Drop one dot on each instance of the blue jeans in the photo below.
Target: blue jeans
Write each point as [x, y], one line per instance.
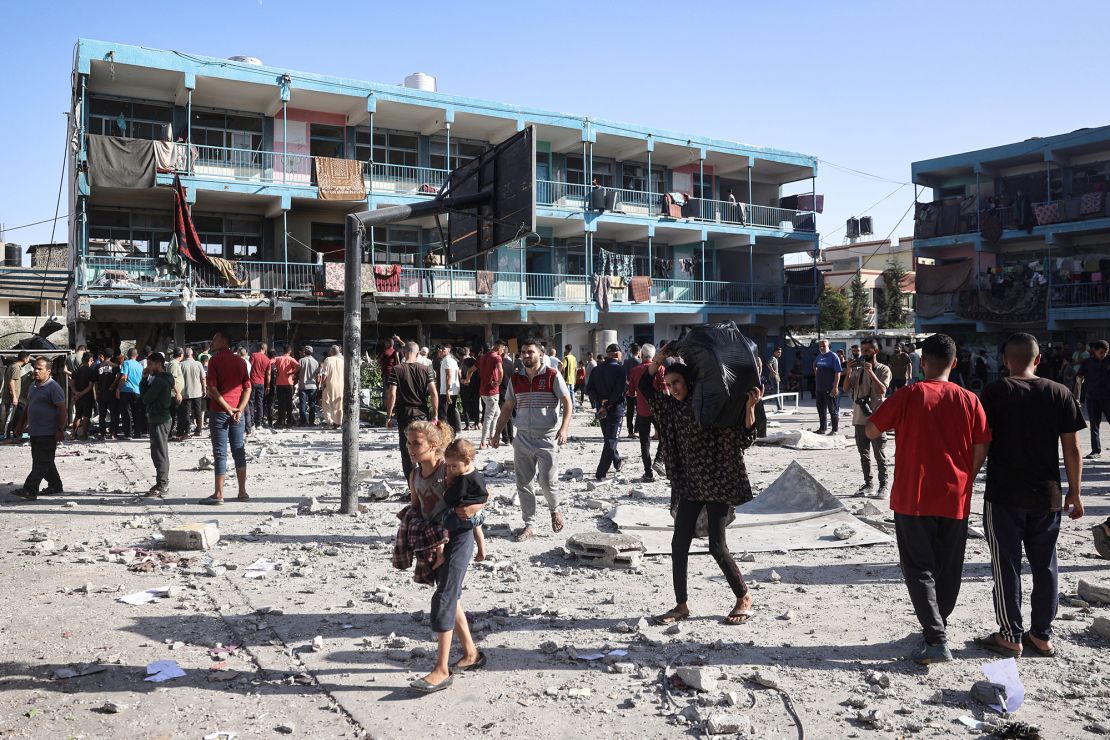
[307, 406]
[223, 431]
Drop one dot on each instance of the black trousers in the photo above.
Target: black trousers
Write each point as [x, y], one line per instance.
[129, 409]
[109, 407]
[1097, 410]
[42, 464]
[630, 414]
[190, 413]
[285, 406]
[402, 429]
[610, 433]
[931, 553]
[471, 414]
[643, 429]
[1008, 528]
[685, 523]
[449, 411]
[258, 405]
[828, 410]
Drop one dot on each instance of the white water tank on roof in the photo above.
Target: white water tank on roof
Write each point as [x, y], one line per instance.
[246, 60]
[421, 81]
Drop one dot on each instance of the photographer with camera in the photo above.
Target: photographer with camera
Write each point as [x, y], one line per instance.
[867, 382]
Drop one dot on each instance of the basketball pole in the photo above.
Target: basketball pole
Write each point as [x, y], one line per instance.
[354, 227]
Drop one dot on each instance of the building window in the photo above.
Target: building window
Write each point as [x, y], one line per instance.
[231, 236]
[129, 119]
[328, 239]
[396, 245]
[389, 147]
[139, 233]
[707, 193]
[635, 177]
[462, 151]
[602, 171]
[23, 308]
[226, 130]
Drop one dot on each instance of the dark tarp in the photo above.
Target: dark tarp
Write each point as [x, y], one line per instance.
[939, 279]
[116, 162]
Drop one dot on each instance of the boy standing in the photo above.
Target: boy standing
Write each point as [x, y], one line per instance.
[942, 441]
[158, 396]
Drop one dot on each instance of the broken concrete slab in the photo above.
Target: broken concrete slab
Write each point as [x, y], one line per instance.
[195, 536]
[1093, 593]
[603, 550]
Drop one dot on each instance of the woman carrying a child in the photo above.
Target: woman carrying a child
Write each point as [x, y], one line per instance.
[447, 499]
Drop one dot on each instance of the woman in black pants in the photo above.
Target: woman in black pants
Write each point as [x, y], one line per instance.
[706, 471]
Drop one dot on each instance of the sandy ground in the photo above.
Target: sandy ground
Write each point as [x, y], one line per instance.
[535, 613]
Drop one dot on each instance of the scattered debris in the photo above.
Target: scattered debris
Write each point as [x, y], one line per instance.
[699, 679]
[82, 669]
[605, 550]
[1101, 627]
[196, 536]
[163, 670]
[145, 597]
[728, 724]
[844, 532]
[1093, 593]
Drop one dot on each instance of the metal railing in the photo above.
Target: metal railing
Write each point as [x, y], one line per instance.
[128, 274]
[251, 165]
[1079, 294]
[398, 178]
[562, 194]
[101, 274]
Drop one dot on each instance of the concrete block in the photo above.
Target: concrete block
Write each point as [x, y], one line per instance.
[196, 536]
[603, 550]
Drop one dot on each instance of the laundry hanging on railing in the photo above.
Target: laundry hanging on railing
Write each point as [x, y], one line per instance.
[663, 268]
[483, 282]
[641, 289]
[610, 263]
[339, 179]
[387, 278]
[165, 156]
[116, 162]
[602, 286]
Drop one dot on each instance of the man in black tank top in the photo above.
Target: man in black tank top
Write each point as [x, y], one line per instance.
[410, 396]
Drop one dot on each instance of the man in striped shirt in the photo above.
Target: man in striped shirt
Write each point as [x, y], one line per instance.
[536, 393]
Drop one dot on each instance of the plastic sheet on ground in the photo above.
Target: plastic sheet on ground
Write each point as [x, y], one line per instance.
[795, 512]
[800, 439]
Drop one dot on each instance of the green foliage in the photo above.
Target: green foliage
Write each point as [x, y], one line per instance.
[858, 304]
[890, 304]
[833, 307]
[371, 379]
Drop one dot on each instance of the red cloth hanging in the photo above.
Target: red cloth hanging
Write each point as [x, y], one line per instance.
[188, 242]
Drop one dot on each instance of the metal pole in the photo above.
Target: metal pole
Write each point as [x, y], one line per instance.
[285, 244]
[701, 201]
[352, 360]
[189, 133]
[285, 140]
[749, 186]
[449, 146]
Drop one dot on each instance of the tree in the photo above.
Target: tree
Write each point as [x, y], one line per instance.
[833, 308]
[890, 304]
[858, 303]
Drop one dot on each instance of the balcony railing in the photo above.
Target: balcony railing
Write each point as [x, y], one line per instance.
[249, 165]
[1078, 295]
[398, 178]
[101, 275]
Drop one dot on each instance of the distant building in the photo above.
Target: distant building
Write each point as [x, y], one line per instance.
[839, 266]
[31, 295]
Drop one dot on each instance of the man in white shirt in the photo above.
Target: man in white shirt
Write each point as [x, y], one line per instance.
[915, 364]
[423, 358]
[448, 378]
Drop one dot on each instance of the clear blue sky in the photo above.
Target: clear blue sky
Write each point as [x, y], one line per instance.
[872, 86]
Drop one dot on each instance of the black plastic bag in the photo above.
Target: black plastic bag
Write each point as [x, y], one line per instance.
[724, 366]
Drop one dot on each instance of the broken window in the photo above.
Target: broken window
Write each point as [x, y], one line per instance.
[129, 119]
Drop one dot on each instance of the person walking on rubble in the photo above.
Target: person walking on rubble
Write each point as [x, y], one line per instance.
[706, 470]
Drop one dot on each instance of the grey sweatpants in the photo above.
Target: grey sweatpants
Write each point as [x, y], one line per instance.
[536, 453]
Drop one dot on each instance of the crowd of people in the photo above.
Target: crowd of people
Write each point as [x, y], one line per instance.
[527, 399]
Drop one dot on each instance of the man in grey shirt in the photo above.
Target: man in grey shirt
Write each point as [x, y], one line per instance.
[45, 422]
[192, 394]
[306, 386]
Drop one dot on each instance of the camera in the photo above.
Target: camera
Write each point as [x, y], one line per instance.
[865, 406]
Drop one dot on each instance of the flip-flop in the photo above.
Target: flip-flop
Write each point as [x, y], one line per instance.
[242, 497]
[556, 521]
[742, 616]
[671, 617]
[211, 501]
[24, 494]
[991, 644]
[430, 688]
[475, 666]
[1040, 652]
[1102, 541]
[525, 534]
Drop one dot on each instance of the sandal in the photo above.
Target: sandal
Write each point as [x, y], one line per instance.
[475, 666]
[242, 497]
[991, 644]
[671, 617]
[737, 617]
[556, 521]
[1028, 644]
[524, 534]
[424, 687]
[211, 501]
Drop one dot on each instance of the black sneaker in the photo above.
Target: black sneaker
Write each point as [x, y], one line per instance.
[48, 491]
[1092, 456]
[24, 494]
[648, 478]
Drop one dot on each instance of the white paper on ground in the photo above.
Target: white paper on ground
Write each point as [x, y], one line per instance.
[591, 656]
[263, 564]
[144, 597]
[1005, 672]
[163, 670]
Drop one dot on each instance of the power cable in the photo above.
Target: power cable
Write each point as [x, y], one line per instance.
[35, 223]
[54, 221]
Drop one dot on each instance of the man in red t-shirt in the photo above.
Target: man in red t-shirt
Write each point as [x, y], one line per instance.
[285, 378]
[260, 385]
[942, 438]
[229, 392]
[489, 388]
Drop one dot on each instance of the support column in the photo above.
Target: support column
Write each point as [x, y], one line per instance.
[285, 141]
[749, 186]
[448, 125]
[352, 360]
[285, 242]
[189, 133]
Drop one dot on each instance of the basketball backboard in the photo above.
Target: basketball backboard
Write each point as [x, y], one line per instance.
[507, 171]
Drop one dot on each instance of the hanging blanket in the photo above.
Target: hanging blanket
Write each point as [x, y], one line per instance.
[990, 226]
[931, 306]
[115, 162]
[925, 220]
[416, 541]
[333, 276]
[938, 279]
[1017, 304]
[1091, 204]
[1047, 213]
[165, 156]
[387, 278]
[483, 282]
[641, 289]
[367, 282]
[601, 292]
[339, 179]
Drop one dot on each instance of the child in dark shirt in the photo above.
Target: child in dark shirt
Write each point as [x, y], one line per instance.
[465, 486]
